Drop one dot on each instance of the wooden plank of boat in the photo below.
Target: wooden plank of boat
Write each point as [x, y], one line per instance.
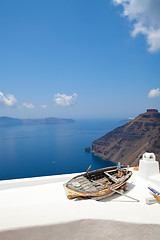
[111, 177]
[82, 184]
[113, 170]
[116, 191]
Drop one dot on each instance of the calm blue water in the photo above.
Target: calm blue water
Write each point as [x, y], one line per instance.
[41, 150]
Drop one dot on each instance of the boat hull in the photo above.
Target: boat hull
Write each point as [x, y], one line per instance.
[99, 194]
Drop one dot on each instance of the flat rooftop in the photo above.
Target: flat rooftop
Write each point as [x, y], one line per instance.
[37, 202]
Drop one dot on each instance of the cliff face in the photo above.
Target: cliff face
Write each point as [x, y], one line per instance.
[128, 142]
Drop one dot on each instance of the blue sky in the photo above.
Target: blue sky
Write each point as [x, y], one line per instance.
[79, 58]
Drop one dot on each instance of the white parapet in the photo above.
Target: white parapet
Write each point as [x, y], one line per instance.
[148, 166]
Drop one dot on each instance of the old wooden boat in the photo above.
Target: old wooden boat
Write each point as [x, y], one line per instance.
[97, 184]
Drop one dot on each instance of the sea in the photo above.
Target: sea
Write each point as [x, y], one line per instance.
[44, 150]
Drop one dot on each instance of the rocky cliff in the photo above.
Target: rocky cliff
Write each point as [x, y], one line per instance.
[128, 142]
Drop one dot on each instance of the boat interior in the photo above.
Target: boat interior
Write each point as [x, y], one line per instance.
[97, 180]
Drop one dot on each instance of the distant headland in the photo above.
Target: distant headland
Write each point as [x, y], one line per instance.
[127, 143]
[8, 121]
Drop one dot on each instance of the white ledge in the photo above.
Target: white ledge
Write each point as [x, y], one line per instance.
[42, 201]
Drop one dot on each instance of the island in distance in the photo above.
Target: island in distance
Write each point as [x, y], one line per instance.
[127, 143]
[8, 121]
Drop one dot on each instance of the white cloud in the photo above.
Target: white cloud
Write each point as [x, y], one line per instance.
[64, 100]
[8, 100]
[145, 17]
[28, 105]
[43, 106]
[154, 93]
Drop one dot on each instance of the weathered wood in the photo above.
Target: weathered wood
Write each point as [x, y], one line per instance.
[116, 191]
[114, 179]
[95, 184]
